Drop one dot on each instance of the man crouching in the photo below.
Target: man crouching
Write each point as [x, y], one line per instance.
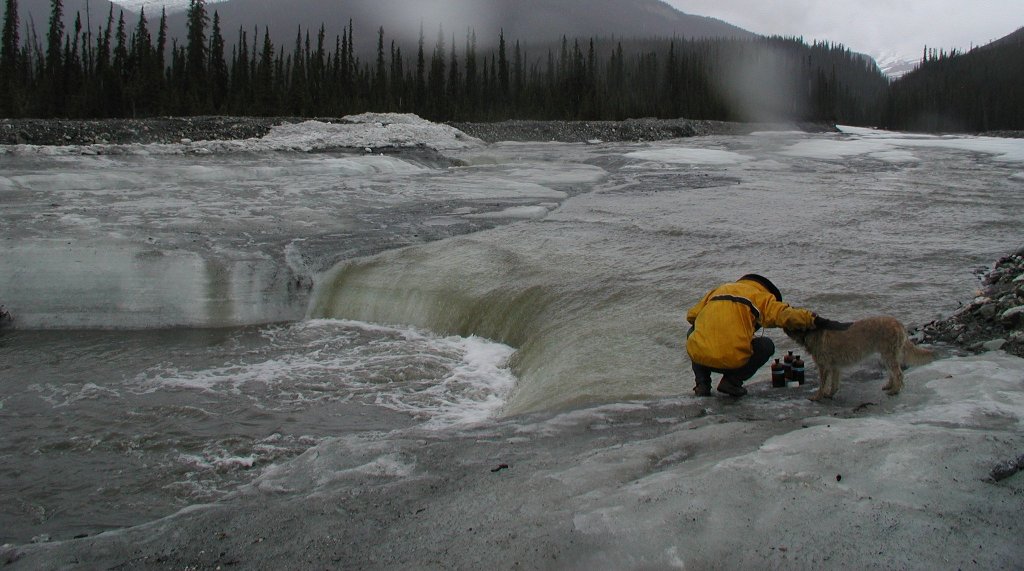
[721, 337]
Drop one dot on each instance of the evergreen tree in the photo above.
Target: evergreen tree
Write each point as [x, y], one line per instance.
[398, 87]
[266, 98]
[503, 73]
[9, 52]
[517, 79]
[437, 104]
[420, 105]
[53, 92]
[161, 40]
[219, 75]
[71, 81]
[470, 91]
[380, 84]
[196, 56]
[317, 65]
[141, 87]
[240, 74]
[297, 84]
[454, 84]
[120, 62]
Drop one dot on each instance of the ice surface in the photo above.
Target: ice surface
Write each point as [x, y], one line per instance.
[524, 212]
[873, 141]
[374, 130]
[617, 487]
[690, 156]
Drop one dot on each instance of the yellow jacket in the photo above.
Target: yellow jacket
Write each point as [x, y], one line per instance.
[724, 322]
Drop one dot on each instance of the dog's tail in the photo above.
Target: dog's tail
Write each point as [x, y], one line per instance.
[914, 355]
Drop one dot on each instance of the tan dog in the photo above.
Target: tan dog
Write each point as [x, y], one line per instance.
[834, 349]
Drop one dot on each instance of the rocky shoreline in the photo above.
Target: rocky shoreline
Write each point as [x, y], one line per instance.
[55, 132]
[629, 130]
[994, 319]
[168, 130]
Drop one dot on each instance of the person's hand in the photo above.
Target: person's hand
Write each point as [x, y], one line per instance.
[822, 323]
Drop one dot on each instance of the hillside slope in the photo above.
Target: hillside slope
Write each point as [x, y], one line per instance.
[529, 21]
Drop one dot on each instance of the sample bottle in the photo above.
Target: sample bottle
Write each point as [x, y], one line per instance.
[798, 369]
[787, 362]
[778, 374]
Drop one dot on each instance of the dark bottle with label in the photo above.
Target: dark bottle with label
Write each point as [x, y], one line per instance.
[778, 374]
[798, 369]
[787, 362]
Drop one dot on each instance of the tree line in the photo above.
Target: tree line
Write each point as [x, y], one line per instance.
[126, 70]
[980, 90]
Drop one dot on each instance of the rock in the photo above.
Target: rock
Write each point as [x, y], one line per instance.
[993, 345]
[1012, 315]
[1007, 468]
[8, 554]
[988, 311]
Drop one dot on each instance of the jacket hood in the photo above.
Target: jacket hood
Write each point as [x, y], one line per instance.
[772, 289]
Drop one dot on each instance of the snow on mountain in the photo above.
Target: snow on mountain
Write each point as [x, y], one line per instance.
[154, 6]
[895, 65]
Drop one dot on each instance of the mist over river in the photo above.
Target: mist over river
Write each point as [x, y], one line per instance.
[188, 317]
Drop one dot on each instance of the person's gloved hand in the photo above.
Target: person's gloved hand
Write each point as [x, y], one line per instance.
[822, 323]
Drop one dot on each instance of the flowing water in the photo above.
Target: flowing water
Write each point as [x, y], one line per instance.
[183, 320]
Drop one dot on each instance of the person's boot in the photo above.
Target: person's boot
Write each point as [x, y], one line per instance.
[701, 382]
[731, 387]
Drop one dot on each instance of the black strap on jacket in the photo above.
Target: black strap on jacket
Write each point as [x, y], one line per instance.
[743, 301]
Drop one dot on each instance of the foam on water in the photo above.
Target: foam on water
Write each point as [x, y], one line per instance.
[442, 380]
[154, 420]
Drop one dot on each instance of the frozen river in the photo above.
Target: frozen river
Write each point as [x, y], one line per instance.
[190, 316]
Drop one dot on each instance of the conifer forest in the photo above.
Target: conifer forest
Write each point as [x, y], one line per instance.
[126, 70]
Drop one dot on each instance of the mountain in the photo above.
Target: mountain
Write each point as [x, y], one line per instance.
[154, 6]
[1011, 41]
[975, 91]
[895, 66]
[529, 21]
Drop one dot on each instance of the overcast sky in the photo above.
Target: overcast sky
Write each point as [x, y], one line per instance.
[871, 26]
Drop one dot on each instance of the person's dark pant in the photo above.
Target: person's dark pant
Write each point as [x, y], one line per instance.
[763, 347]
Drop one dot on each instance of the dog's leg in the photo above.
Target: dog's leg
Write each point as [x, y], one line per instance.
[823, 384]
[886, 361]
[892, 357]
[895, 384]
[833, 385]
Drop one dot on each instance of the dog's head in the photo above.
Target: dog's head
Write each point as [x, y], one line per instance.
[799, 335]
